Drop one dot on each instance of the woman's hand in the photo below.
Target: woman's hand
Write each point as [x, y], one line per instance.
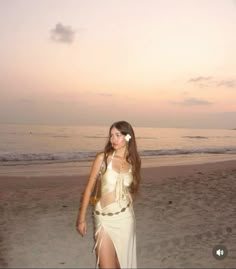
[81, 227]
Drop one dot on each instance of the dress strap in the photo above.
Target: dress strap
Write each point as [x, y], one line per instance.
[110, 163]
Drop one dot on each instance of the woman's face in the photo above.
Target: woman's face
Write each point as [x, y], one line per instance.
[117, 139]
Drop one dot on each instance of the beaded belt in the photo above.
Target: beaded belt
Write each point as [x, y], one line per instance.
[111, 214]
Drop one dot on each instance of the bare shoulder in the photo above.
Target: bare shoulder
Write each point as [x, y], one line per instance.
[99, 157]
[96, 164]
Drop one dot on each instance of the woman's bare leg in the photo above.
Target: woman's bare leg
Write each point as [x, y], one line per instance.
[107, 252]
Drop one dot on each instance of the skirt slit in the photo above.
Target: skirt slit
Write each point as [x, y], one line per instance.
[99, 240]
[121, 230]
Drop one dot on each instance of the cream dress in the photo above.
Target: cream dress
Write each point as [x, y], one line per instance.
[115, 216]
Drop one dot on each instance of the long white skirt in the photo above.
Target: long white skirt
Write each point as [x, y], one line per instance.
[121, 229]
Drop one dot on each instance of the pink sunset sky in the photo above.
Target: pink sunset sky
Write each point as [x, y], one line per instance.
[156, 63]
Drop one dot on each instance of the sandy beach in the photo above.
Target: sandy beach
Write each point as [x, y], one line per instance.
[182, 212]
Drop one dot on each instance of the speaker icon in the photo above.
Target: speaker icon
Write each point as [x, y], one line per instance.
[220, 252]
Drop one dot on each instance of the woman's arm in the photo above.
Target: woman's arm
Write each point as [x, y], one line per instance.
[81, 223]
[130, 198]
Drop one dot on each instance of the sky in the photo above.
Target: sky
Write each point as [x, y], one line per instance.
[154, 63]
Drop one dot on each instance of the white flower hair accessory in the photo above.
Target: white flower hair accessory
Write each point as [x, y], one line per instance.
[127, 137]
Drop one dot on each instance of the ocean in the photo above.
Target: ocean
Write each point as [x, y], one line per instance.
[40, 144]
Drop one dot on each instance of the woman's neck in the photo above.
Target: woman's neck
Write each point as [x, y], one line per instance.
[120, 153]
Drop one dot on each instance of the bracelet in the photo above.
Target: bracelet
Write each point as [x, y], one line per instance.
[80, 222]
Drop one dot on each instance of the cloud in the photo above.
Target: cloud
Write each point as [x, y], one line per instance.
[62, 34]
[105, 94]
[227, 83]
[203, 82]
[199, 79]
[193, 102]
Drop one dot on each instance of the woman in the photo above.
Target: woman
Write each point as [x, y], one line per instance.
[115, 234]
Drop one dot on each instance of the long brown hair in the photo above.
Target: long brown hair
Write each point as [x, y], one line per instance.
[132, 156]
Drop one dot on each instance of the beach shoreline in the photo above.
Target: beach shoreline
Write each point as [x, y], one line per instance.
[79, 168]
[182, 212]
